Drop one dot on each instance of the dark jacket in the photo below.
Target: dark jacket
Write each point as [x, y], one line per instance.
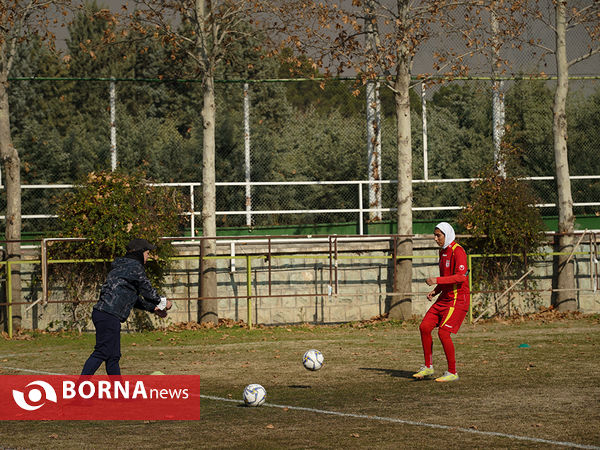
[126, 287]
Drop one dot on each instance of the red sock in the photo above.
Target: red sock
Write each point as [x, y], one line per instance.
[426, 328]
[448, 345]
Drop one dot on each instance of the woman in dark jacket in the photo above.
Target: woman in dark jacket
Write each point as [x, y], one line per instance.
[126, 287]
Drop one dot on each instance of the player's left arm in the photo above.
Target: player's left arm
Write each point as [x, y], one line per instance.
[144, 304]
[150, 299]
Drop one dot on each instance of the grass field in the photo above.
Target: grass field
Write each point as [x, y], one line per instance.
[508, 396]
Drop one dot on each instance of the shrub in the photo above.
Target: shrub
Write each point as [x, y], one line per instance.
[109, 209]
[502, 220]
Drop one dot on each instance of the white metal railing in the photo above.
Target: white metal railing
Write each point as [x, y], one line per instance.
[359, 210]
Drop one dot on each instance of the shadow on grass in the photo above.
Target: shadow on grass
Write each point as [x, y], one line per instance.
[391, 372]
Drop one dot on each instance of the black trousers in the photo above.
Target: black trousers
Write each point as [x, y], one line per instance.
[108, 344]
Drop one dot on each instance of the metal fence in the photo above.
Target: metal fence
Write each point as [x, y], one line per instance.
[356, 211]
[287, 279]
[291, 152]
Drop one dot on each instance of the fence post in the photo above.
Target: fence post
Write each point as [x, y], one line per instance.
[470, 269]
[247, 154]
[360, 209]
[249, 290]
[424, 120]
[9, 297]
[193, 216]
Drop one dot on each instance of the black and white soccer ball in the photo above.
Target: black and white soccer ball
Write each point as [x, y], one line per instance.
[254, 395]
[313, 359]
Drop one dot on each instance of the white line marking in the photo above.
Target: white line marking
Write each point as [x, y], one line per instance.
[32, 371]
[381, 419]
[411, 422]
[21, 354]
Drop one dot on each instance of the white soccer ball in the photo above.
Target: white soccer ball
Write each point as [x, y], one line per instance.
[313, 359]
[254, 395]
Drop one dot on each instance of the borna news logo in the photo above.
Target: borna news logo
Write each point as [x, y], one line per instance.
[142, 397]
[35, 396]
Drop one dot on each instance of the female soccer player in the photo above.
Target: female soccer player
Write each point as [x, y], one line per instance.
[450, 308]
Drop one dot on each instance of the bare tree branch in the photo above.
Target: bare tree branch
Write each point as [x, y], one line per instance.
[589, 54]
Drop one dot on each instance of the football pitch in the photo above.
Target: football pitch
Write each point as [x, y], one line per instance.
[523, 384]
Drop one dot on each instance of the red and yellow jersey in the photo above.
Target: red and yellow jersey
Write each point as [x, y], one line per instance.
[453, 282]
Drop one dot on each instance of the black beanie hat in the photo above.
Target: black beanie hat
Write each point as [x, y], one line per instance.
[136, 245]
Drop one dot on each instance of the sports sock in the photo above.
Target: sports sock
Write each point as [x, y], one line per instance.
[448, 346]
[426, 328]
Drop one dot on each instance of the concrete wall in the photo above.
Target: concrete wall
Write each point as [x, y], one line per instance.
[302, 283]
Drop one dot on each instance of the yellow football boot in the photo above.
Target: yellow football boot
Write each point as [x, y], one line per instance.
[424, 372]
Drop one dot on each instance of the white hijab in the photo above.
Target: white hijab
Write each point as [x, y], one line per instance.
[448, 231]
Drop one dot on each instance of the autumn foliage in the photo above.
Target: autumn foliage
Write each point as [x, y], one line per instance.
[111, 208]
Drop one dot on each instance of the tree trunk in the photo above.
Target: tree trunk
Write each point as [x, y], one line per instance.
[401, 305]
[373, 117]
[208, 309]
[374, 150]
[12, 181]
[498, 117]
[565, 297]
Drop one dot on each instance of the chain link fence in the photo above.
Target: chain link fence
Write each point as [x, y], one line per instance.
[296, 152]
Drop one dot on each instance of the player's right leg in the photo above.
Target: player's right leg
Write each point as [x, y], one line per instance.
[108, 328]
[427, 325]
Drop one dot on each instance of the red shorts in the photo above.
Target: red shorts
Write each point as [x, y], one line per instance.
[445, 317]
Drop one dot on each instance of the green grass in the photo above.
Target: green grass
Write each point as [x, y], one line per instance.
[550, 390]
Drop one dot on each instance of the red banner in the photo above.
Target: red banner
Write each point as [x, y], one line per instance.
[131, 397]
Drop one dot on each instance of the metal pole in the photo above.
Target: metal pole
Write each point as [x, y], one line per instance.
[247, 154]
[470, 269]
[360, 208]
[9, 298]
[596, 263]
[595, 272]
[193, 217]
[394, 262]
[336, 264]
[44, 269]
[424, 120]
[269, 261]
[592, 237]
[330, 287]
[249, 290]
[113, 127]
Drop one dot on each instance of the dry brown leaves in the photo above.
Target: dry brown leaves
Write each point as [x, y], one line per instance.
[373, 320]
[19, 335]
[543, 315]
[223, 323]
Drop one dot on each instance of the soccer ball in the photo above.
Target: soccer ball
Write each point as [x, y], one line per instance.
[254, 395]
[313, 359]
